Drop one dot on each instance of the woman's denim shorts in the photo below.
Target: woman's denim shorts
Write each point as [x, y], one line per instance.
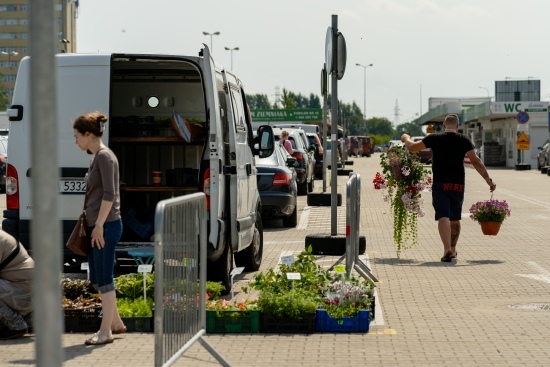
[102, 261]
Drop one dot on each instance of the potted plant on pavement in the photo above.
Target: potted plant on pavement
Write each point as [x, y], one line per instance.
[223, 316]
[490, 214]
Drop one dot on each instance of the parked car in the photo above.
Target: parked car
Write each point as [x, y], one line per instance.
[277, 186]
[328, 155]
[305, 156]
[395, 143]
[3, 162]
[355, 147]
[542, 158]
[424, 154]
[378, 149]
[318, 154]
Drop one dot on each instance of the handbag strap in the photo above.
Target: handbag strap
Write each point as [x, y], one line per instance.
[10, 257]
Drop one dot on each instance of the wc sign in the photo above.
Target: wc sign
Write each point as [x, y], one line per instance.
[513, 108]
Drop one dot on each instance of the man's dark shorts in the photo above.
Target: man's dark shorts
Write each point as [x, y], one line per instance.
[447, 199]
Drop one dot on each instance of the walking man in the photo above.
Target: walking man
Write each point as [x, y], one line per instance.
[449, 148]
[16, 268]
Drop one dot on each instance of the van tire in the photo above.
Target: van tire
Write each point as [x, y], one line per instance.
[292, 220]
[219, 270]
[302, 188]
[251, 257]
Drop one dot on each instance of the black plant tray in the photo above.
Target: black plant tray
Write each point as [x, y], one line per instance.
[84, 320]
[302, 325]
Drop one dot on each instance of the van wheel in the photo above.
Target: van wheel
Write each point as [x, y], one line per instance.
[302, 188]
[251, 257]
[292, 221]
[219, 270]
[311, 185]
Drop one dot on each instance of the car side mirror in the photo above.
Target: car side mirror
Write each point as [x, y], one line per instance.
[292, 162]
[266, 142]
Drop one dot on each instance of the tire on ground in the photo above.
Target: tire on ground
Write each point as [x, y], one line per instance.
[326, 244]
[322, 199]
[219, 270]
[292, 220]
[344, 172]
[251, 257]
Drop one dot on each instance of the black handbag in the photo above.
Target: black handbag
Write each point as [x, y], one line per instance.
[79, 242]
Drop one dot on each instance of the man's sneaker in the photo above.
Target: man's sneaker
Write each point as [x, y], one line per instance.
[6, 334]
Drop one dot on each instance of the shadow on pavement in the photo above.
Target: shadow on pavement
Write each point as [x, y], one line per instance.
[402, 262]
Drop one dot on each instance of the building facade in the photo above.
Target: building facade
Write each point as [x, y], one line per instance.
[15, 33]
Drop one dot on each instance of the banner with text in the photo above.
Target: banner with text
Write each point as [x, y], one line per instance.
[304, 114]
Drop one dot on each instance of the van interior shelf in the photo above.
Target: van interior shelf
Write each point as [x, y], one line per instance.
[153, 139]
[158, 188]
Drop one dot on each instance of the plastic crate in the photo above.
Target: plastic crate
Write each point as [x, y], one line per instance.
[82, 320]
[359, 323]
[302, 325]
[232, 321]
[139, 324]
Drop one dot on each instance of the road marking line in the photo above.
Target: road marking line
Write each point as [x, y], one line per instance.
[543, 276]
[525, 198]
[304, 218]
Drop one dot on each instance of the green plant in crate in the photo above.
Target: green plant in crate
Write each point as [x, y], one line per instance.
[131, 285]
[312, 276]
[346, 296]
[225, 308]
[214, 290]
[76, 288]
[290, 304]
[134, 307]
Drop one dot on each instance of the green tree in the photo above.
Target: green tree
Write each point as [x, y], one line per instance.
[287, 100]
[258, 102]
[410, 127]
[380, 126]
[314, 101]
[4, 98]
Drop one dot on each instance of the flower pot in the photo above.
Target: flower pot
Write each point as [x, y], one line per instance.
[358, 323]
[490, 228]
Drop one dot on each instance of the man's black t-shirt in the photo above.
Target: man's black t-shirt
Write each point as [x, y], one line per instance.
[448, 149]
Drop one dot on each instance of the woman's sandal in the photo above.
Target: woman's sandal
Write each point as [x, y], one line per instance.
[447, 258]
[97, 339]
[119, 330]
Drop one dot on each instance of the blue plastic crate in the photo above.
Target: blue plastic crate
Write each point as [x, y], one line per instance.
[359, 323]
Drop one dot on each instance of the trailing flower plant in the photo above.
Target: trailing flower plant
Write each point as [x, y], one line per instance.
[345, 297]
[403, 179]
[490, 211]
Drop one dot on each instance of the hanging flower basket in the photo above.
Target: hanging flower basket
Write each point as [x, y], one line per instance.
[490, 214]
[490, 228]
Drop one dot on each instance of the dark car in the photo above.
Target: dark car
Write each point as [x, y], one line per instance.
[542, 157]
[318, 154]
[277, 186]
[305, 157]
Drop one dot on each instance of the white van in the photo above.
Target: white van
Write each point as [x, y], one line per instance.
[141, 94]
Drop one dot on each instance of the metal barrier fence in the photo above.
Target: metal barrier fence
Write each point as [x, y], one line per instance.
[353, 221]
[180, 277]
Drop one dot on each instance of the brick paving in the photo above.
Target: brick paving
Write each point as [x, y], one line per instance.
[434, 314]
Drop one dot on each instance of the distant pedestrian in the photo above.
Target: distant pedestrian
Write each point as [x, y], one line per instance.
[449, 148]
[285, 142]
[16, 269]
[103, 217]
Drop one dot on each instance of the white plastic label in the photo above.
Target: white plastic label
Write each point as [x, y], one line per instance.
[84, 266]
[236, 271]
[145, 268]
[293, 276]
[287, 260]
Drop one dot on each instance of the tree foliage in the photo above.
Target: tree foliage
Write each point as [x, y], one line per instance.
[409, 127]
[258, 102]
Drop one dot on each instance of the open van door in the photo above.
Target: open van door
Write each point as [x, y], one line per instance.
[242, 169]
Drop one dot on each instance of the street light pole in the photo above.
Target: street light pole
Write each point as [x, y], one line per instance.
[211, 34]
[9, 57]
[232, 49]
[488, 95]
[364, 93]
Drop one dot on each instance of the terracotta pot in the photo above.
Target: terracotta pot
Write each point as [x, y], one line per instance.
[490, 228]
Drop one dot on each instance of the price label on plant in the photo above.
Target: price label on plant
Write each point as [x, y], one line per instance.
[340, 269]
[293, 276]
[236, 271]
[287, 260]
[145, 268]
[84, 266]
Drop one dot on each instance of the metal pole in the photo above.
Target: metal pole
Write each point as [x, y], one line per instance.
[45, 226]
[231, 59]
[365, 98]
[325, 137]
[334, 128]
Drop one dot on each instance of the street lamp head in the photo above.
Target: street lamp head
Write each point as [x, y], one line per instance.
[5, 53]
[217, 33]
[236, 49]
[227, 48]
[14, 53]
[205, 33]
[370, 65]
[357, 64]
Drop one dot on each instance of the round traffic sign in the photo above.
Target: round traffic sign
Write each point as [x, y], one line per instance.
[522, 117]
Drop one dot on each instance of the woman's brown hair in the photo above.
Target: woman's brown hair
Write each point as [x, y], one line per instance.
[93, 123]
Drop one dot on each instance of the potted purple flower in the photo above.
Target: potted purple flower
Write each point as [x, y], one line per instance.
[490, 214]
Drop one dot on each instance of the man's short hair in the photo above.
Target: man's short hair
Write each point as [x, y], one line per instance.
[451, 119]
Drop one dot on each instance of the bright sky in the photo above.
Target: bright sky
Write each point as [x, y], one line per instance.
[419, 48]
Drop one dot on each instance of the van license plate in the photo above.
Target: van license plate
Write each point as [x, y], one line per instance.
[72, 186]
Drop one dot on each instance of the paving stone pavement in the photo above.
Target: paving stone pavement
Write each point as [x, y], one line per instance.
[434, 314]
